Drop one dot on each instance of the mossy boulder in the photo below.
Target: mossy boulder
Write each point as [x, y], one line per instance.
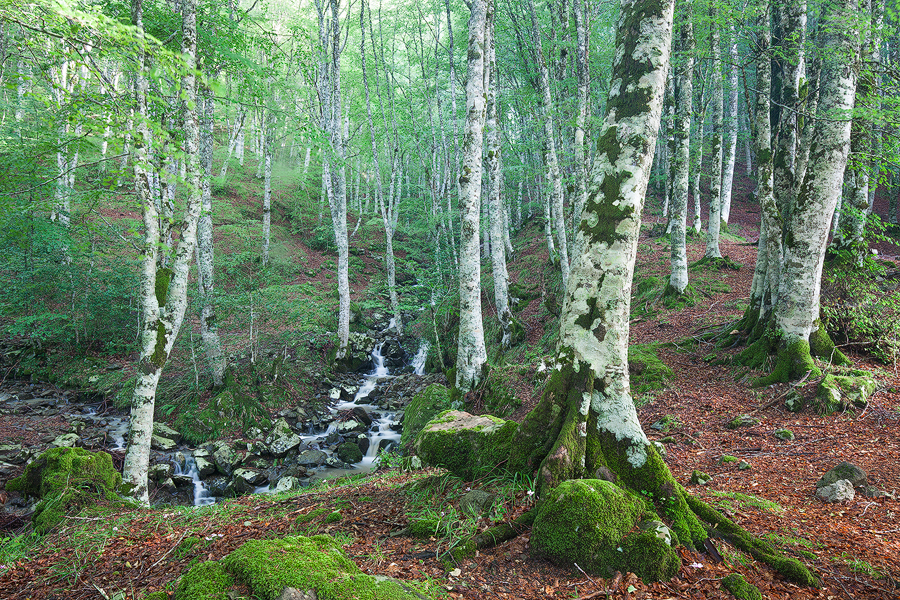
[349, 452]
[592, 522]
[66, 479]
[431, 401]
[839, 392]
[740, 588]
[466, 445]
[314, 567]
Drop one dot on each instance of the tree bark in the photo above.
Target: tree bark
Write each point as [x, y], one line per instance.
[731, 135]
[715, 176]
[471, 353]
[163, 292]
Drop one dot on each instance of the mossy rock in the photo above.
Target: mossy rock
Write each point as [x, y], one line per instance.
[740, 588]
[499, 399]
[466, 445]
[431, 401]
[839, 392]
[205, 581]
[317, 563]
[592, 522]
[742, 421]
[349, 452]
[64, 479]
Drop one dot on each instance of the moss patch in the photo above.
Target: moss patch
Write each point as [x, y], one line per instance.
[466, 445]
[205, 581]
[64, 479]
[740, 588]
[646, 369]
[422, 408]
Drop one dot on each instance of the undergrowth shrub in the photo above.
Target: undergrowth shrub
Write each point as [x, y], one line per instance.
[861, 307]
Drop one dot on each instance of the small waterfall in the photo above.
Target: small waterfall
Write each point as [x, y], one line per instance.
[418, 361]
[201, 494]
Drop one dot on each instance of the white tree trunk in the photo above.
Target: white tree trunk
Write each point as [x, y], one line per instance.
[164, 292]
[715, 176]
[471, 352]
[797, 311]
[684, 96]
[731, 135]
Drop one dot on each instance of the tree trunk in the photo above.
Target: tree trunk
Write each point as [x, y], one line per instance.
[209, 327]
[684, 95]
[582, 69]
[163, 292]
[554, 177]
[715, 176]
[471, 353]
[806, 229]
[732, 134]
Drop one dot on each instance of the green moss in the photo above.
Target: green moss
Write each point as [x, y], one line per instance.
[675, 300]
[421, 409]
[424, 527]
[646, 370]
[793, 362]
[186, 547]
[304, 563]
[163, 278]
[727, 458]
[583, 521]
[64, 479]
[160, 595]
[740, 588]
[205, 581]
[649, 557]
[349, 452]
[333, 517]
[470, 452]
[311, 515]
[820, 345]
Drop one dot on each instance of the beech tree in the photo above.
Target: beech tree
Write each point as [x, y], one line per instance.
[789, 324]
[163, 292]
[471, 354]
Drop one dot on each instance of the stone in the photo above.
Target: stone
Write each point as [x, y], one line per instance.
[795, 402]
[205, 464]
[349, 452]
[286, 484]
[477, 502]
[66, 440]
[160, 471]
[423, 407]
[699, 478]
[162, 444]
[350, 426]
[282, 439]
[844, 470]
[838, 491]
[165, 431]
[181, 480]
[247, 480]
[361, 415]
[311, 458]
[466, 445]
[784, 434]
[225, 457]
[840, 392]
[290, 593]
[10, 452]
[744, 466]
[335, 463]
[742, 421]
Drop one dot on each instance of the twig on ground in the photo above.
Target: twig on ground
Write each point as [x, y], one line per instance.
[162, 558]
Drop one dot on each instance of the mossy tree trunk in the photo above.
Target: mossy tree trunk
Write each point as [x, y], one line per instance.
[713, 227]
[163, 291]
[789, 326]
[586, 424]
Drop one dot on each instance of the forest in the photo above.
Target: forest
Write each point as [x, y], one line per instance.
[449, 299]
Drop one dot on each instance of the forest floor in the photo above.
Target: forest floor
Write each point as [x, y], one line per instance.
[854, 547]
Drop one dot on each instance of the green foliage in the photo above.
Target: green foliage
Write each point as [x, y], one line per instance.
[647, 371]
[737, 500]
[861, 307]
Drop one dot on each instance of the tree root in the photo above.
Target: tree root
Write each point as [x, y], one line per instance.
[762, 551]
[488, 538]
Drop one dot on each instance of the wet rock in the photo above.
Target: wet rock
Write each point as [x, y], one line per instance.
[333, 438]
[217, 486]
[282, 439]
[362, 441]
[357, 355]
[247, 480]
[361, 415]
[165, 431]
[66, 440]
[349, 452]
[345, 428]
[844, 470]
[286, 484]
[162, 444]
[205, 464]
[225, 457]
[333, 462]
[838, 491]
[311, 458]
[699, 478]
[160, 472]
[784, 434]
[183, 481]
[179, 459]
[168, 484]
